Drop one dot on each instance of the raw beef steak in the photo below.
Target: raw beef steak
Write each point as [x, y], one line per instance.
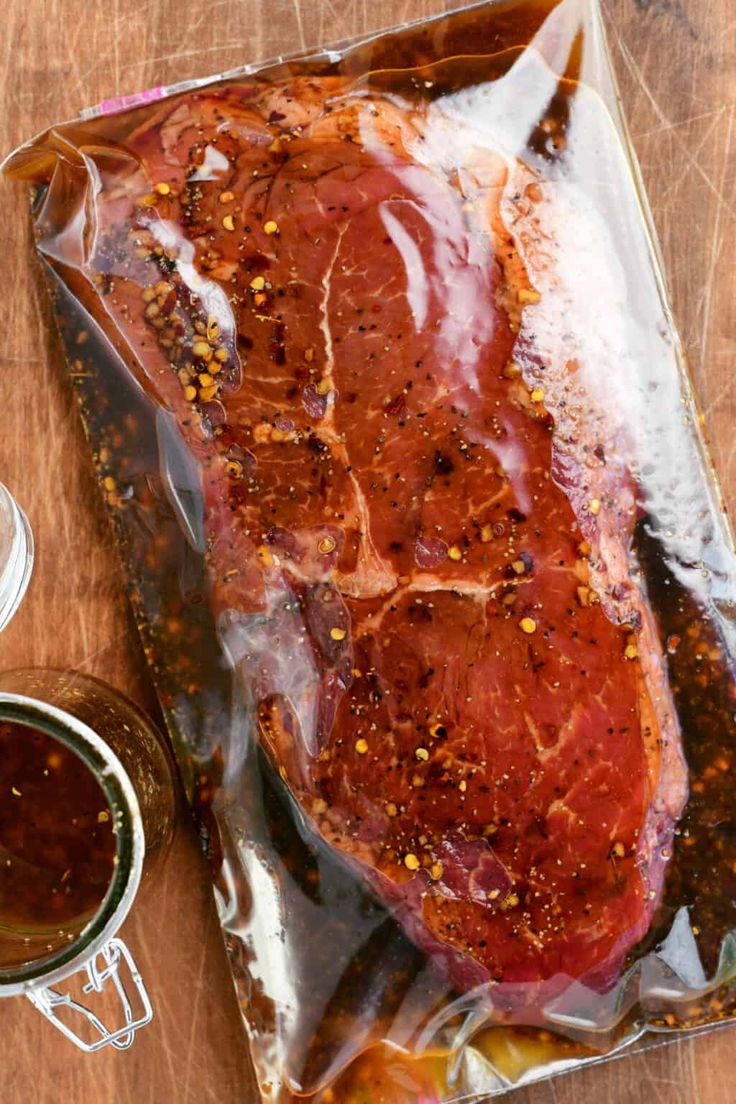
[418, 522]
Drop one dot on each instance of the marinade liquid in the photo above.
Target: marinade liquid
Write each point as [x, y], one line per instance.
[57, 843]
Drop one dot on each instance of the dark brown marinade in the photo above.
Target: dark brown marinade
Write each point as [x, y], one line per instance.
[57, 844]
[483, 29]
[702, 873]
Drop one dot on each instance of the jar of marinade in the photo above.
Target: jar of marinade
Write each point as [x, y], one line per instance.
[87, 804]
[86, 815]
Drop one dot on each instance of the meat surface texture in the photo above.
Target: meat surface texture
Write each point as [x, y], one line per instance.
[417, 522]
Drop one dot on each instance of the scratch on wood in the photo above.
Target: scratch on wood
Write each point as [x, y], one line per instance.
[197, 986]
[300, 25]
[679, 123]
[677, 178]
[715, 250]
[667, 124]
[175, 55]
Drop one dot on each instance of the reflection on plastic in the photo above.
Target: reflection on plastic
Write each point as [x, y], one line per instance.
[398, 439]
[180, 479]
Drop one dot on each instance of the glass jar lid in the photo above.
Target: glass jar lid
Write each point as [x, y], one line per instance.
[16, 555]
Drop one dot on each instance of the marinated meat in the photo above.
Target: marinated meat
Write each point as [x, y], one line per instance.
[418, 524]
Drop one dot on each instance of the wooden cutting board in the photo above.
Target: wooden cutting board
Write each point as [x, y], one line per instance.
[676, 61]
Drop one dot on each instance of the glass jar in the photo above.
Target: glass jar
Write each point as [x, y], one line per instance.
[114, 741]
[16, 555]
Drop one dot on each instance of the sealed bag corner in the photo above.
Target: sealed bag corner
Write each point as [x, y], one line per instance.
[377, 369]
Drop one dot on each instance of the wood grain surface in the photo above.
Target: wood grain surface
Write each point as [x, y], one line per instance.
[676, 61]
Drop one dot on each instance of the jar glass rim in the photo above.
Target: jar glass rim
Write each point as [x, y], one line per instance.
[16, 555]
[113, 779]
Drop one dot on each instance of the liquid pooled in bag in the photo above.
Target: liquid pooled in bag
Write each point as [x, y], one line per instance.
[57, 843]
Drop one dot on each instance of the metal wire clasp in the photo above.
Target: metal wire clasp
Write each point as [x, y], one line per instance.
[105, 966]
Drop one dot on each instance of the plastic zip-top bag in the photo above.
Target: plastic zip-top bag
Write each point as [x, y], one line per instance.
[378, 372]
